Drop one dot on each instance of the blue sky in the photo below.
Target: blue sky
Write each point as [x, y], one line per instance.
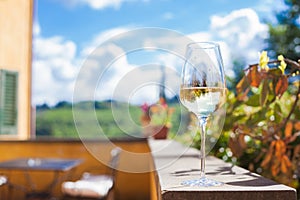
[83, 21]
[66, 30]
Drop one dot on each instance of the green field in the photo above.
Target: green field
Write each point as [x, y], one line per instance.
[95, 120]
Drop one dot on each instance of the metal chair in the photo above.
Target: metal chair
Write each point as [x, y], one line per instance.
[94, 186]
[6, 193]
[3, 182]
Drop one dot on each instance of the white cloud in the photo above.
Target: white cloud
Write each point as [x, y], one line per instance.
[201, 36]
[57, 61]
[56, 47]
[238, 27]
[36, 29]
[101, 38]
[95, 4]
[241, 33]
[54, 69]
[168, 16]
[269, 6]
[108, 67]
[98, 76]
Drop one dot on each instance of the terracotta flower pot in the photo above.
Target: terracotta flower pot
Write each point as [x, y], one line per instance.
[157, 132]
[162, 133]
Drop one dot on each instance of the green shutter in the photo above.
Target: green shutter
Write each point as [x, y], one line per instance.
[8, 102]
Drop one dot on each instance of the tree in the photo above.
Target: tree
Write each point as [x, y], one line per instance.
[63, 104]
[285, 33]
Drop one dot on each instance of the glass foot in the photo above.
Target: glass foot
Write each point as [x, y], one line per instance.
[205, 182]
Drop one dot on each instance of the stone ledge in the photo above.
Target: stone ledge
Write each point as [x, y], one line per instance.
[175, 163]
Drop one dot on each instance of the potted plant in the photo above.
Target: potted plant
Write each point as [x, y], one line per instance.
[156, 119]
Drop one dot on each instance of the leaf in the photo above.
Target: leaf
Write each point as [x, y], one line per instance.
[288, 129]
[283, 167]
[242, 85]
[275, 169]
[295, 139]
[277, 113]
[257, 117]
[287, 161]
[241, 140]
[264, 134]
[264, 93]
[242, 88]
[244, 129]
[280, 149]
[285, 164]
[281, 86]
[235, 147]
[275, 71]
[297, 126]
[253, 101]
[251, 167]
[269, 155]
[282, 146]
[266, 160]
[254, 76]
[297, 150]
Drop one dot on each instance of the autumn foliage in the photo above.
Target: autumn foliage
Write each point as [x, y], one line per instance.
[263, 120]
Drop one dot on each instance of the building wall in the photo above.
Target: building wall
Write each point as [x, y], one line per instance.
[15, 54]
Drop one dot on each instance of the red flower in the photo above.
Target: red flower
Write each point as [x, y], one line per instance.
[145, 108]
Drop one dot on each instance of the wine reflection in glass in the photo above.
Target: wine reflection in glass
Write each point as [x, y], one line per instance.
[202, 92]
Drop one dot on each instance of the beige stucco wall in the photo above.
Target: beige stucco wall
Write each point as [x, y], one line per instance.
[15, 53]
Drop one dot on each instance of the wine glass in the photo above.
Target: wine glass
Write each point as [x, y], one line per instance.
[203, 92]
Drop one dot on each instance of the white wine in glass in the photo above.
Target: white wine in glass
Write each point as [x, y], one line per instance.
[202, 92]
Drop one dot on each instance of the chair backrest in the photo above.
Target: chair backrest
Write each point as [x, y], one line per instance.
[3, 180]
[114, 160]
[95, 185]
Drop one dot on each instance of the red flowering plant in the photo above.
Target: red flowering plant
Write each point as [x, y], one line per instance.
[156, 116]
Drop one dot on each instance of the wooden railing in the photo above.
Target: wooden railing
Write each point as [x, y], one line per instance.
[175, 163]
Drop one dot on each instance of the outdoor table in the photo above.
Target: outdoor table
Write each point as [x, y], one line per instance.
[53, 165]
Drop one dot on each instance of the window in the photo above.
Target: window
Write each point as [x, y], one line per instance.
[8, 102]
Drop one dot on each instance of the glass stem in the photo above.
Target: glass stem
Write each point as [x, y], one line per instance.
[202, 124]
